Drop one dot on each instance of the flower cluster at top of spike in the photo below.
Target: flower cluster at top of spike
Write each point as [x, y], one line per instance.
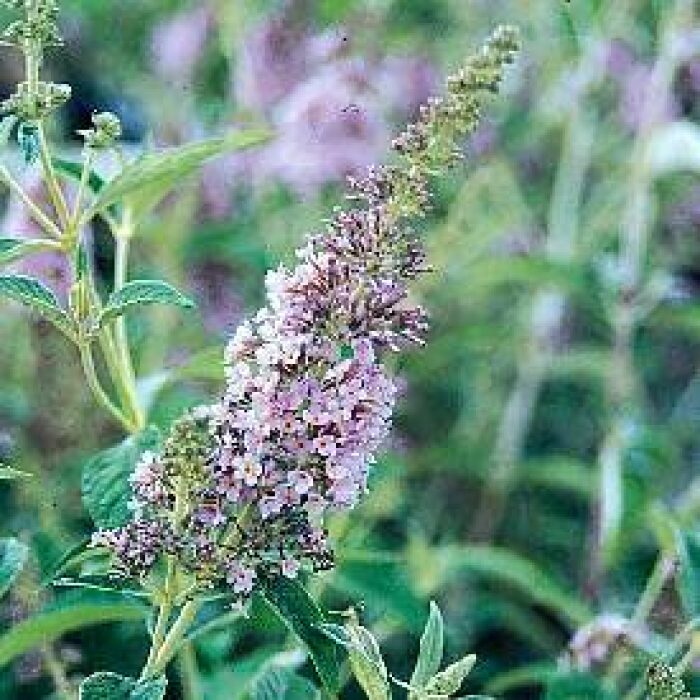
[307, 402]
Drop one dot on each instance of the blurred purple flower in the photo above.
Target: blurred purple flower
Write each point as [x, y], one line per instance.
[272, 61]
[178, 43]
[220, 306]
[405, 83]
[329, 127]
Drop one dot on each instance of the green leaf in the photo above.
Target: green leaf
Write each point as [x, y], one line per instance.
[431, 648]
[13, 557]
[71, 613]
[111, 686]
[106, 686]
[146, 181]
[105, 483]
[576, 686]
[519, 573]
[141, 293]
[37, 297]
[450, 680]
[367, 663]
[12, 249]
[300, 613]
[75, 170]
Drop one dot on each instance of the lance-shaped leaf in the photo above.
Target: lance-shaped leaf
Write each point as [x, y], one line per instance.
[13, 557]
[111, 686]
[141, 293]
[431, 648]
[37, 297]
[300, 613]
[449, 681]
[70, 613]
[146, 181]
[365, 657]
[12, 249]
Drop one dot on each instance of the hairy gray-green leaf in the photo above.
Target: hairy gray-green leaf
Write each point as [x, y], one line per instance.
[13, 557]
[112, 686]
[367, 664]
[141, 293]
[431, 649]
[105, 482]
[12, 249]
[146, 181]
[450, 680]
[37, 297]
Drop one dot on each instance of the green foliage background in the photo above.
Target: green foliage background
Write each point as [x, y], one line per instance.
[531, 386]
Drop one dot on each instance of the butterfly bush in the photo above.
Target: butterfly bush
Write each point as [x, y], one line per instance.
[240, 490]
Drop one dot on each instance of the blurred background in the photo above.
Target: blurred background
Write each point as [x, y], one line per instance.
[545, 458]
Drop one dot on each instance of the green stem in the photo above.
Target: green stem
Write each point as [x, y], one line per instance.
[82, 189]
[93, 381]
[173, 640]
[126, 367]
[57, 198]
[162, 621]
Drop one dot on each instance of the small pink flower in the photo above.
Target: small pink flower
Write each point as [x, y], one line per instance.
[290, 568]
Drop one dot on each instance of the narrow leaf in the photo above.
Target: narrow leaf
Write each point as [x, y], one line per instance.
[13, 557]
[142, 293]
[431, 648]
[300, 613]
[367, 664]
[37, 297]
[450, 680]
[153, 175]
[71, 615]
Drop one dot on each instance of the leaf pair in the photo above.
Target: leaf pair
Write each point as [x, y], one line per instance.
[427, 681]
